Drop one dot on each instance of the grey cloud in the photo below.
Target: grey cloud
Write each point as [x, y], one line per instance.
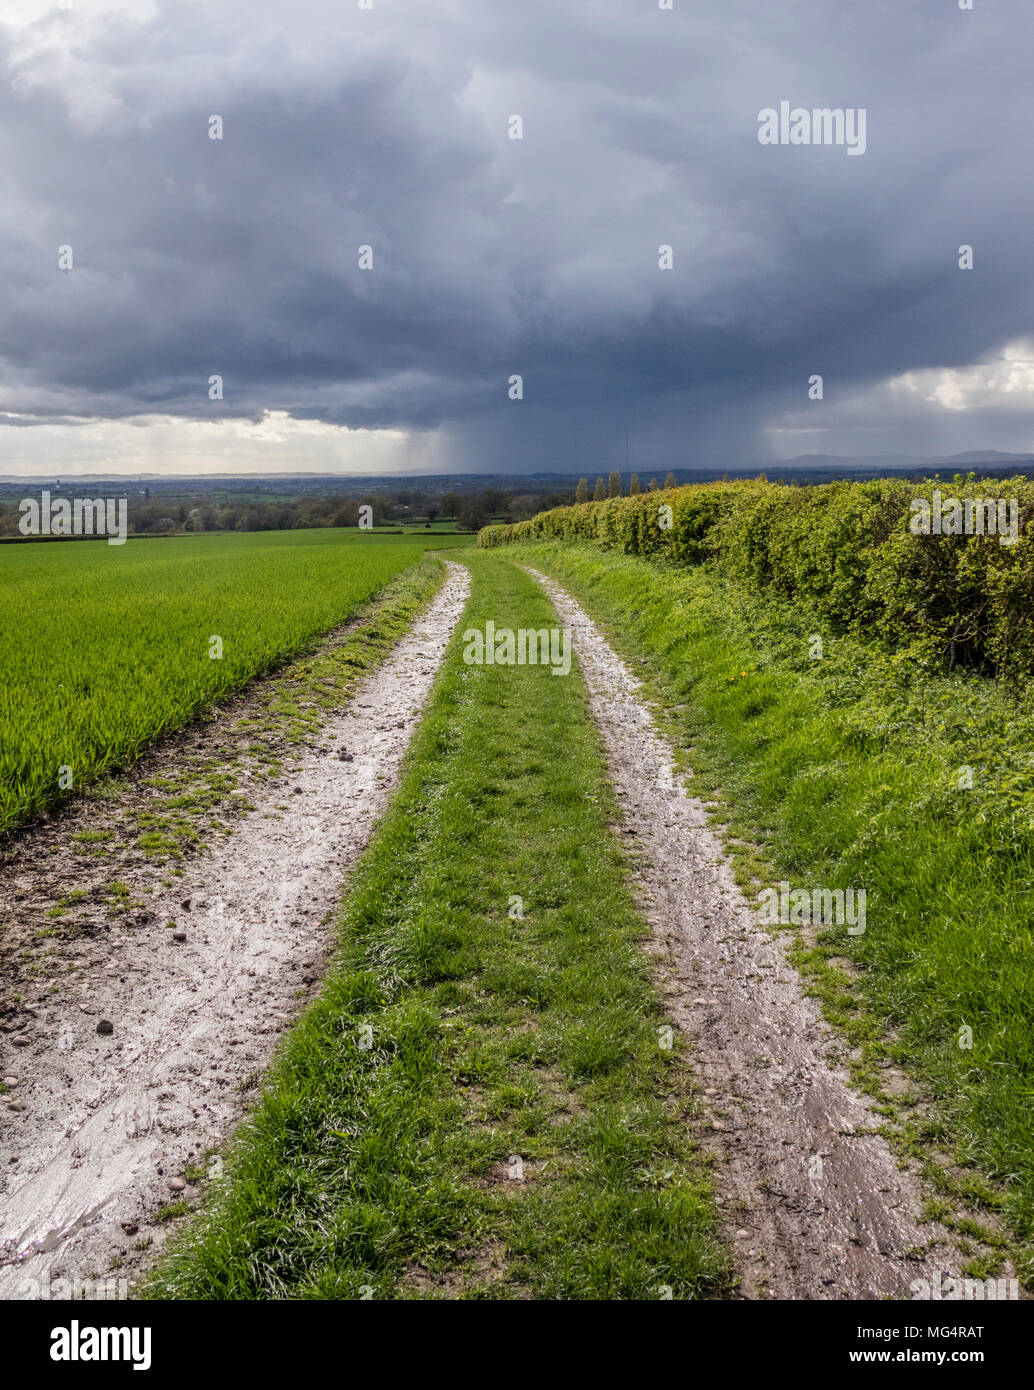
[238, 257]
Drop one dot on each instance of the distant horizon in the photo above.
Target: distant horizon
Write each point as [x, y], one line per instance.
[819, 462]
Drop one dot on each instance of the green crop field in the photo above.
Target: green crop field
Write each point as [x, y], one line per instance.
[103, 648]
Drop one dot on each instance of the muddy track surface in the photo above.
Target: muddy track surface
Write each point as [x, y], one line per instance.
[818, 1207]
[125, 1080]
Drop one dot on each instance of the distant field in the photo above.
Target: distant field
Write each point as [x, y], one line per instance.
[102, 648]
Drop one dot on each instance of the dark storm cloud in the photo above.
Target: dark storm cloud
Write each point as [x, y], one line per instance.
[238, 257]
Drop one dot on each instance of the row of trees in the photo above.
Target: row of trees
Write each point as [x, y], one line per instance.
[155, 515]
[150, 515]
[613, 487]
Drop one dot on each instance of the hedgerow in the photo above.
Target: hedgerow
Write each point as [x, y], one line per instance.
[847, 550]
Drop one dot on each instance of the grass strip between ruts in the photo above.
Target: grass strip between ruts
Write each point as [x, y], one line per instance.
[479, 1104]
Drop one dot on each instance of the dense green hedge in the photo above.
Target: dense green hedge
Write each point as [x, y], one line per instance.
[847, 550]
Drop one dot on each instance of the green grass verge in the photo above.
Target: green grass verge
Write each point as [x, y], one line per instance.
[478, 1105]
[853, 770]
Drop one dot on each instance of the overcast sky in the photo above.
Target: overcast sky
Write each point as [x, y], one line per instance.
[390, 127]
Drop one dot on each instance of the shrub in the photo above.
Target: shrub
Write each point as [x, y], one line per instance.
[845, 550]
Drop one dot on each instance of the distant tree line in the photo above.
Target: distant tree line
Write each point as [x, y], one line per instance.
[150, 515]
[613, 487]
[470, 510]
